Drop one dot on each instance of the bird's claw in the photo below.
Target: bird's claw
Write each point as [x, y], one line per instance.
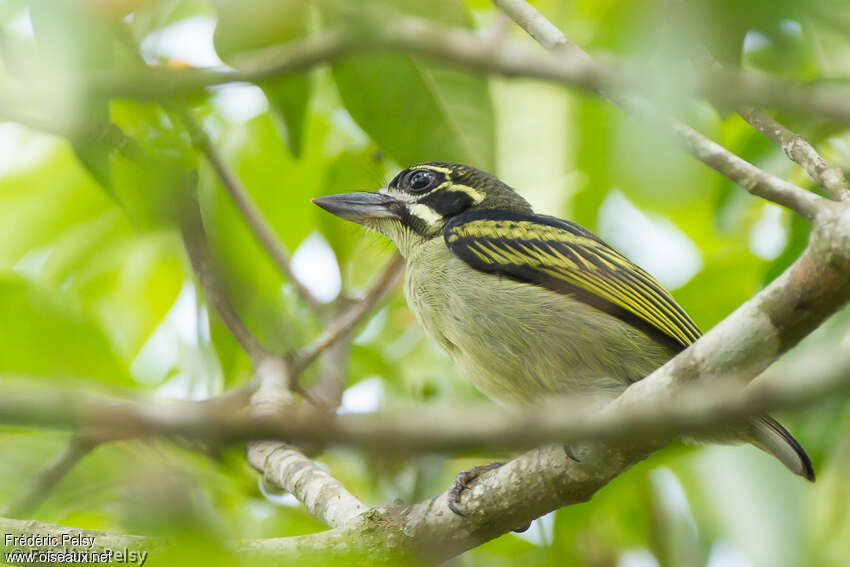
[461, 483]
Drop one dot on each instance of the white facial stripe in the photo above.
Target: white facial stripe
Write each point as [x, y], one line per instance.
[399, 195]
[425, 213]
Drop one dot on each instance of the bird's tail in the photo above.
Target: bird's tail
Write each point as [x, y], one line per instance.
[768, 435]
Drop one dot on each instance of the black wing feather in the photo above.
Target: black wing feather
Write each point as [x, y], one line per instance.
[567, 258]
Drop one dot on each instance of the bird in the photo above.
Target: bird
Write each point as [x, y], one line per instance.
[528, 305]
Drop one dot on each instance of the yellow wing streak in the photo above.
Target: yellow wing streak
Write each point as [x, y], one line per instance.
[616, 292]
[643, 285]
[578, 260]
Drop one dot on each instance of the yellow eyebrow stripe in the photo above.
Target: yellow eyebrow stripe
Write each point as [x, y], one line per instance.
[445, 170]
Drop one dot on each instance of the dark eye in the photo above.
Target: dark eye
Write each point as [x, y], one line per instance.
[420, 180]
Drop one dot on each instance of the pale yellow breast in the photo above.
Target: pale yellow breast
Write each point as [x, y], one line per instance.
[515, 341]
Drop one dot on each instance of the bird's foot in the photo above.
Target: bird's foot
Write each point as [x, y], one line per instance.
[461, 483]
[571, 454]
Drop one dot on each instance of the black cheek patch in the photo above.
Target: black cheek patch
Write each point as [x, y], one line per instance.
[447, 203]
[414, 223]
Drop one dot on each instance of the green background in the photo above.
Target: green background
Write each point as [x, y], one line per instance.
[96, 290]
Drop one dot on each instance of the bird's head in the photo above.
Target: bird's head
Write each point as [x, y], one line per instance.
[419, 201]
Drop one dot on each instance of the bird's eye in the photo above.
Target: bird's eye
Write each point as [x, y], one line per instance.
[420, 180]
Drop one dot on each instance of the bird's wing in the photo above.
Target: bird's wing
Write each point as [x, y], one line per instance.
[564, 257]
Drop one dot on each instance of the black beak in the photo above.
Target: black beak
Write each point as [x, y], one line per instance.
[360, 207]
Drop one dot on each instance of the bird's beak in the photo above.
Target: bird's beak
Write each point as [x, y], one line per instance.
[360, 207]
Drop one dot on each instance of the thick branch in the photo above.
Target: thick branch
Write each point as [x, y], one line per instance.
[462, 47]
[324, 497]
[660, 407]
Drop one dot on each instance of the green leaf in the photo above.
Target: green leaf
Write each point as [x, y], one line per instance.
[38, 205]
[288, 97]
[154, 172]
[256, 24]
[129, 284]
[41, 334]
[417, 109]
[73, 38]
[281, 187]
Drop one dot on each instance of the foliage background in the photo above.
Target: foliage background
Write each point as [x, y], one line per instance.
[95, 288]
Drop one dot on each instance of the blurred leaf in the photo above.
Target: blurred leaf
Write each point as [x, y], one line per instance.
[281, 187]
[74, 38]
[416, 109]
[592, 148]
[153, 15]
[350, 171]
[40, 334]
[38, 204]
[255, 24]
[155, 170]
[730, 277]
[797, 241]
[289, 97]
[75, 239]
[130, 284]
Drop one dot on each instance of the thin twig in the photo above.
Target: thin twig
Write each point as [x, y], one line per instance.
[253, 216]
[745, 174]
[800, 151]
[195, 240]
[755, 180]
[796, 147]
[45, 480]
[349, 319]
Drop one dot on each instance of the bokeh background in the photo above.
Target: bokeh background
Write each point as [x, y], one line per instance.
[96, 289]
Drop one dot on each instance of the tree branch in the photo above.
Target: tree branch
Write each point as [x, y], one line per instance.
[261, 228]
[351, 317]
[195, 240]
[324, 497]
[800, 151]
[745, 174]
[663, 410]
[458, 46]
[796, 147]
[46, 479]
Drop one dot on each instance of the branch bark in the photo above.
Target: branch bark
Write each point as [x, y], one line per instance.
[800, 151]
[46, 479]
[674, 404]
[745, 174]
[253, 216]
[324, 497]
[195, 241]
[343, 325]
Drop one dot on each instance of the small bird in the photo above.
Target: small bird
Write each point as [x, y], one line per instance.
[528, 305]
